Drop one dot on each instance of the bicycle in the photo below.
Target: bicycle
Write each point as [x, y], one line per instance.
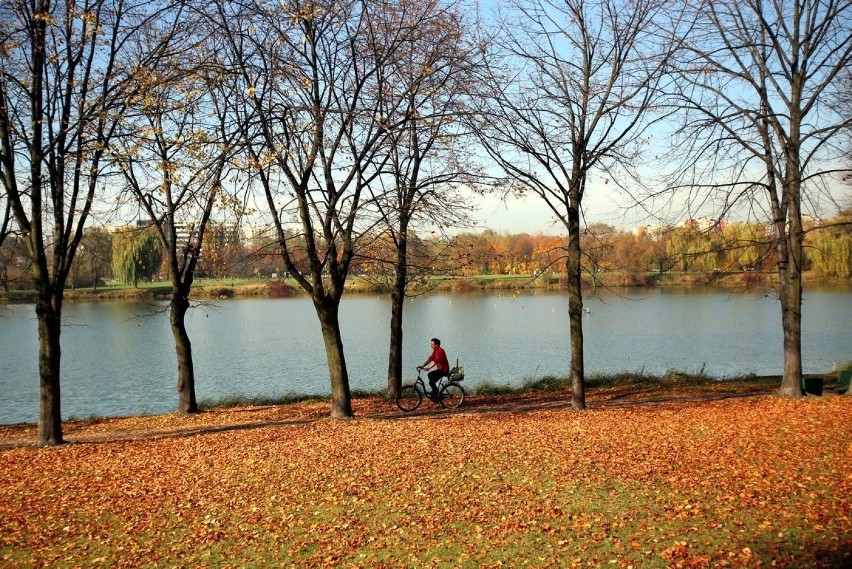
[450, 392]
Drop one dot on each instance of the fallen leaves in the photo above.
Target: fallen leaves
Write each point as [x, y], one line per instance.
[738, 482]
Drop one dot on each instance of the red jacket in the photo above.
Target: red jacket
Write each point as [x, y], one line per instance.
[439, 356]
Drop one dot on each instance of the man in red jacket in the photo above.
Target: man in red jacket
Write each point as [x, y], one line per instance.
[438, 361]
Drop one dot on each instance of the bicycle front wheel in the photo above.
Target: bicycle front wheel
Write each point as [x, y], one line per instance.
[408, 398]
[452, 395]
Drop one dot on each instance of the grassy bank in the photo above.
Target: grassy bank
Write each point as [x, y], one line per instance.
[672, 383]
[644, 478]
[223, 289]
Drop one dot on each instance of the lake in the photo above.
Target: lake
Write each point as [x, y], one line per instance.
[118, 357]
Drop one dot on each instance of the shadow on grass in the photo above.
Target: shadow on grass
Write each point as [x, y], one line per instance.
[618, 390]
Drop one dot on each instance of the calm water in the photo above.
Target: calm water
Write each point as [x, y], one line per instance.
[118, 358]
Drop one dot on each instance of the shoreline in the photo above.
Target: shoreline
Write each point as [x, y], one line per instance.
[224, 289]
[626, 385]
[615, 388]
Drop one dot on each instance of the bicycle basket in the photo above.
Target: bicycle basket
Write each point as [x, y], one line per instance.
[457, 373]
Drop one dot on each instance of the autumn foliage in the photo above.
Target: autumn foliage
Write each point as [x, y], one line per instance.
[739, 482]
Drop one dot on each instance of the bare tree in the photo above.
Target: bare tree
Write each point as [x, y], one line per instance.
[66, 74]
[757, 82]
[573, 98]
[429, 152]
[95, 255]
[310, 72]
[180, 137]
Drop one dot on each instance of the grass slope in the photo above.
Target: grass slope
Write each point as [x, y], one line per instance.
[682, 474]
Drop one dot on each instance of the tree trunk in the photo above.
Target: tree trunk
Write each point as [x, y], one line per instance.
[397, 306]
[791, 322]
[790, 258]
[49, 328]
[575, 311]
[183, 349]
[341, 398]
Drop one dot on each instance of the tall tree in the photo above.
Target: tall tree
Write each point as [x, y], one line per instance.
[66, 73]
[757, 83]
[310, 71]
[573, 97]
[428, 153]
[180, 136]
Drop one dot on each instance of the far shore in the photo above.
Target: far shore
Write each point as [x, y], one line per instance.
[225, 288]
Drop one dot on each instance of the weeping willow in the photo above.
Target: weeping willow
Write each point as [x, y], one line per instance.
[136, 254]
[829, 250]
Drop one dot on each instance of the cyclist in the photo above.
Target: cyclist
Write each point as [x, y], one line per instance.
[438, 361]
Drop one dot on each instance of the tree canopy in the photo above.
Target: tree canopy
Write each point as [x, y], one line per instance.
[136, 254]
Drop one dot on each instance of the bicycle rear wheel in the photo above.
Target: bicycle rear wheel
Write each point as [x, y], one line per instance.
[408, 398]
[452, 395]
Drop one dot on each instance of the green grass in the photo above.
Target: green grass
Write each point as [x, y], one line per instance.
[622, 379]
[229, 401]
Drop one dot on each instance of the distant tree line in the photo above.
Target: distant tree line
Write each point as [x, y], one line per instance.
[129, 255]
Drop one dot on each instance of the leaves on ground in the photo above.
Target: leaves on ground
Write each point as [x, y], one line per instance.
[745, 482]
